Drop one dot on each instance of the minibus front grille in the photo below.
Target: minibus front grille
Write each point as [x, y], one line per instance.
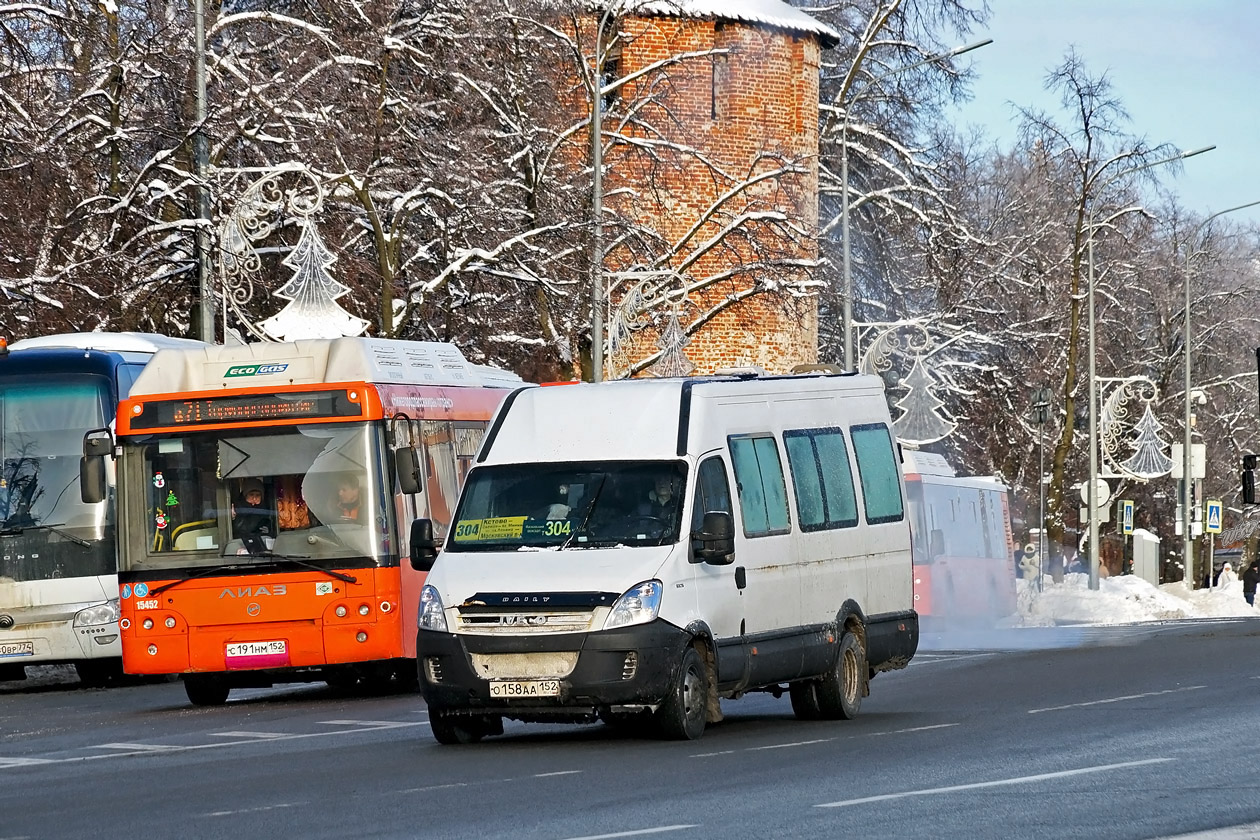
[522, 624]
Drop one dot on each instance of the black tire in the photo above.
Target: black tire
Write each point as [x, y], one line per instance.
[804, 695]
[98, 673]
[684, 713]
[840, 690]
[206, 690]
[451, 729]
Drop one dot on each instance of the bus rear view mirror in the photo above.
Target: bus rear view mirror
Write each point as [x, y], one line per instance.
[715, 541]
[93, 486]
[407, 465]
[423, 547]
[1249, 480]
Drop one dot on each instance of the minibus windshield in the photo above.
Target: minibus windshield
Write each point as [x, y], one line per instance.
[570, 505]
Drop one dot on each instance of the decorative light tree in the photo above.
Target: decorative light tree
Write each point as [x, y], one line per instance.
[313, 311]
[673, 360]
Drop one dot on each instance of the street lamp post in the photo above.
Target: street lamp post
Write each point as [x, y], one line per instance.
[1091, 493]
[844, 184]
[205, 325]
[597, 201]
[1187, 538]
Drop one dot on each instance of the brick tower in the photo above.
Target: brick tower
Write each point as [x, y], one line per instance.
[711, 185]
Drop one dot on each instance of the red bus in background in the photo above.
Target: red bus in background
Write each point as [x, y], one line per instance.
[963, 547]
[266, 496]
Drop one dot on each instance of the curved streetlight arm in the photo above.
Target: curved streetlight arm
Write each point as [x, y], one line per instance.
[1092, 486]
[847, 317]
[1187, 538]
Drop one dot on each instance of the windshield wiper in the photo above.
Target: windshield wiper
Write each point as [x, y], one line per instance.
[203, 573]
[587, 518]
[300, 560]
[56, 529]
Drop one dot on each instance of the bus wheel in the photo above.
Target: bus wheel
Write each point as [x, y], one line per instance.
[97, 673]
[682, 716]
[206, 690]
[840, 689]
[451, 729]
[804, 696]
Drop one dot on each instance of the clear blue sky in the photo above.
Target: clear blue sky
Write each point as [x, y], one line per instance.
[1187, 72]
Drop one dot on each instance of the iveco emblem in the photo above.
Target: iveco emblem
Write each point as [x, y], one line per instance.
[253, 609]
[6, 621]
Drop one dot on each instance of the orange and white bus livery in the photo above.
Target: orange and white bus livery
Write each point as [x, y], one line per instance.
[265, 494]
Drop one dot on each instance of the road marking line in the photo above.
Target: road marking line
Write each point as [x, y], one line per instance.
[824, 740]
[141, 749]
[24, 762]
[918, 729]
[1018, 780]
[137, 747]
[557, 773]
[260, 735]
[374, 724]
[637, 833]
[1116, 699]
[251, 810]
[792, 744]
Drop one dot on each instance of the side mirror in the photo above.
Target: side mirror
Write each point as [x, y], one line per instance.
[714, 543]
[407, 465]
[93, 487]
[1249, 480]
[423, 548]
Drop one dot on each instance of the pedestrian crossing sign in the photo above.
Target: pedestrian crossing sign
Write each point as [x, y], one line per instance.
[1126, 516]
[1213, 523]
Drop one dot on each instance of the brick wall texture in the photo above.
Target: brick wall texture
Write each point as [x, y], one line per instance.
[719, 164]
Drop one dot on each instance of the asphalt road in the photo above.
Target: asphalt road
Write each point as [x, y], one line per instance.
[1125, 732]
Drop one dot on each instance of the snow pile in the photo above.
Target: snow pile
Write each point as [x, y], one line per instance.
[1122, 600]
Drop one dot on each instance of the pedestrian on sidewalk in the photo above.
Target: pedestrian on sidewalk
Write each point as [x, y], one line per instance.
[1249, 577]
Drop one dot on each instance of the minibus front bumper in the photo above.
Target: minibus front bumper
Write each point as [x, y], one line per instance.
[629, 667]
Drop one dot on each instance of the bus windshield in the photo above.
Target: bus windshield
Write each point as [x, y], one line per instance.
[311, 493]
[570, 505]
[46, 530]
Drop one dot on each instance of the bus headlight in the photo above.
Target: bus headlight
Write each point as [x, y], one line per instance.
[639, 604]
[432, 615]
[106, 613]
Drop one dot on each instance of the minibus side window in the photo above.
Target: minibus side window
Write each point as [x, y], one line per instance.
[822, 478]
[878, 472]
[762, 489]
[713, 492]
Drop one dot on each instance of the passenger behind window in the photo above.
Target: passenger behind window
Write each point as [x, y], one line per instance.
[251, 517]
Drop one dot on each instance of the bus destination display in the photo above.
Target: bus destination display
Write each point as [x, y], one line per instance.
[311, 405]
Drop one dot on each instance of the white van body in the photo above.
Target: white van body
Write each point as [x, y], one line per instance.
[550, 606]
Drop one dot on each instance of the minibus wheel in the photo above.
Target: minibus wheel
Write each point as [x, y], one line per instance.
[840, 689]
[206, 690]
[804, 695]
[451, 729]
[682, 716]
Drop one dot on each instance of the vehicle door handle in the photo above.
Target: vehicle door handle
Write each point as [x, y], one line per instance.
[741, 577]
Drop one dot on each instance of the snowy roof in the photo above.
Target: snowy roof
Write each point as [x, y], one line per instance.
[765, 12]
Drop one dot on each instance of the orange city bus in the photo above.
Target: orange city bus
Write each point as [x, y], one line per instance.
[963, 548]
[265, 496]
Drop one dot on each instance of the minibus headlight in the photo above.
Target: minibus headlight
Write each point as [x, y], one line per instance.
[431, 615]
[106, 613]
[640, 604]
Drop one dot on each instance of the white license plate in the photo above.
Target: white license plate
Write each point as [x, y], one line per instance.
[256, 649]
[525, 688]
[17, 649]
